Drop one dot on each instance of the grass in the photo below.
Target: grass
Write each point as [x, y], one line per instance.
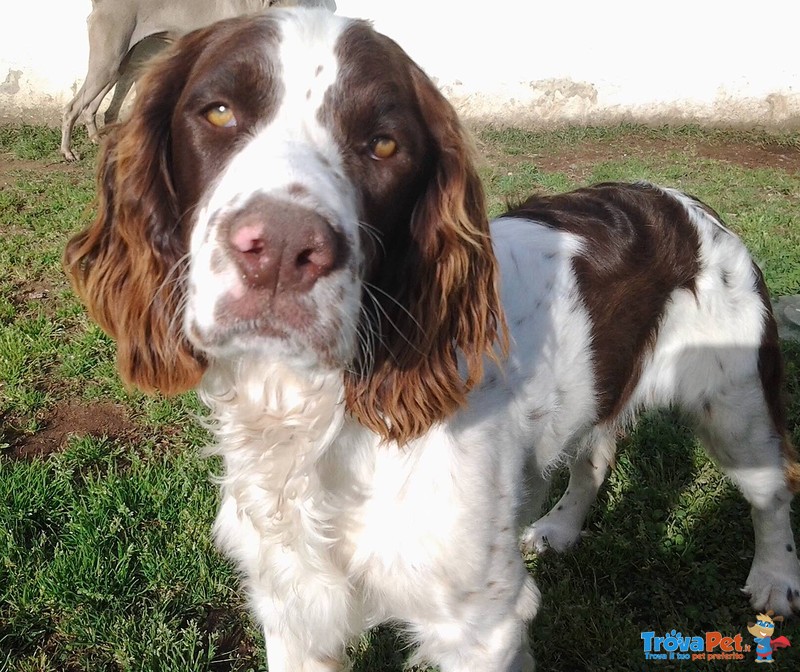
[105, 554]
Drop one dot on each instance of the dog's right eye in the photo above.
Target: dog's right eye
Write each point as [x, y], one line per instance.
[221, 116]
[383, 147]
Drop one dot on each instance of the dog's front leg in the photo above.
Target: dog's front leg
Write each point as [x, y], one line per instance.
[299, 596]
[288, 655]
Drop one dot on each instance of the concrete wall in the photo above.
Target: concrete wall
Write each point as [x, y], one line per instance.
[527, 63]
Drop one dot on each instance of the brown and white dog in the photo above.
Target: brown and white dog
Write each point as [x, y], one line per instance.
[291, 222]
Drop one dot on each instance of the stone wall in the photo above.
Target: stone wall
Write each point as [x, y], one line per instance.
[526, 63]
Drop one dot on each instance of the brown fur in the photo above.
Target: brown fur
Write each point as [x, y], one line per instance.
[123, 266]
[643, 247]
[126, 265]
[444, 289]
[451, 309]
[770, 368]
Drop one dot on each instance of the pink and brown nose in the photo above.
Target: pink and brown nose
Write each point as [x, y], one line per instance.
[282, 247]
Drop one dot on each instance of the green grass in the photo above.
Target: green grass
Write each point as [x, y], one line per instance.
[36, 143]
[106, 561]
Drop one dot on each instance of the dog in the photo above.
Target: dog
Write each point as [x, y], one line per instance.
[292, 223]
[124, 35]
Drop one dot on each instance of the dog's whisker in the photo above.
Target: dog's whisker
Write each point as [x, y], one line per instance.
[393, 300]
[381, 312]
[373, 235]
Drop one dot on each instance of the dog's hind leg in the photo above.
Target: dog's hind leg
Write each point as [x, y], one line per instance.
[130, 70]
[108, 44]
[743, 430]
[127, 78]
[560, 529]
[90, 114]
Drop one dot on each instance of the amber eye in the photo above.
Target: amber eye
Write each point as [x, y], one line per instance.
[221, 116]
[383, 147]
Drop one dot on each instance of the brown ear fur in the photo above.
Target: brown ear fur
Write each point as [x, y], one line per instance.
[126, 265]
[446, 305]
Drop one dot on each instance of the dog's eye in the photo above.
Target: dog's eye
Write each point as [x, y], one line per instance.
[221, 116]
[383, 147]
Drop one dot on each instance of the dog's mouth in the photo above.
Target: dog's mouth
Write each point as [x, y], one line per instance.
[282, 328]
[262, 313]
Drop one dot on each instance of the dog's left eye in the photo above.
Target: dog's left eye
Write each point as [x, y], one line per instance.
[221, 116]
[383, 147]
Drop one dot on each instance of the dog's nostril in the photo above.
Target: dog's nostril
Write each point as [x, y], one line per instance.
[320, 254]
[249, 240]
[315, 261]
[305, 258]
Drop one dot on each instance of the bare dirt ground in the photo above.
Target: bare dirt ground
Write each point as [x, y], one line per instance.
[574, 160]
[11, 165]
[71, 418]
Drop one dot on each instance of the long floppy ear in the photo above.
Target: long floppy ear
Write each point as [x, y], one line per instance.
[445, 308]
[126, 266]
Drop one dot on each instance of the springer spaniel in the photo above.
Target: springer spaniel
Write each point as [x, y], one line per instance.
[291, 222]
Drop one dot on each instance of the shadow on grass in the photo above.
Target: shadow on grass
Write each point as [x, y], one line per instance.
[669, 546]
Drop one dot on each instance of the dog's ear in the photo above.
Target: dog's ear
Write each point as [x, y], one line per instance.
[126, 265]
[445, 313]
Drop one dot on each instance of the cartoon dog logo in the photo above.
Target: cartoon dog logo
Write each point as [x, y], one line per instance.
[762, 631]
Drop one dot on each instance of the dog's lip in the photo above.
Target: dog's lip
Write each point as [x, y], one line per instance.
[240, 337]
[221, 336]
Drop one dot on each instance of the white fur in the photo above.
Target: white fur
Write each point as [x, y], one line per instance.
[293, 150]
[335, 531]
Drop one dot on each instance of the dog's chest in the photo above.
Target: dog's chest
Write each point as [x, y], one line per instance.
[409, 506]
[416, 507]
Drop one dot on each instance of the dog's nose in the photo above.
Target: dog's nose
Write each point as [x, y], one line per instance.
[282, 247]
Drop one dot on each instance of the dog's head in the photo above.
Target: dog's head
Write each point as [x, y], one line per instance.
[293, 184]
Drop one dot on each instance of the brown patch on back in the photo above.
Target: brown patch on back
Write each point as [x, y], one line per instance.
[640, 247]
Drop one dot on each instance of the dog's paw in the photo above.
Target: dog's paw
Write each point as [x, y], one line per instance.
[775, 590]
[547, 534]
